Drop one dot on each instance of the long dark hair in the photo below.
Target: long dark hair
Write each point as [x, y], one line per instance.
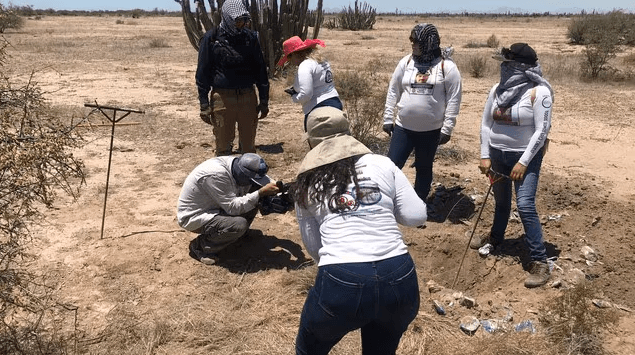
[319, 184]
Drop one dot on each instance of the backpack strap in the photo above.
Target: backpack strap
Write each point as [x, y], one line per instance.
[443, 67]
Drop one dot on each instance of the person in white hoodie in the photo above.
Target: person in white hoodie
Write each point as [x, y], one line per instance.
[349, 204]
[313, 85]
[422, 103]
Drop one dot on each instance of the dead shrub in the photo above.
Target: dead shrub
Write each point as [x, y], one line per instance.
[364, 105]
[9, 18]
[492, 41]
[36, 163]
[574, 325]
[477, 66]
[474, 44]
[158, 43]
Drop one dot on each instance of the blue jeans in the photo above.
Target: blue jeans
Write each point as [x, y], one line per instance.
[331, 102]
[380, 297]
[503, 162]
[425, 146]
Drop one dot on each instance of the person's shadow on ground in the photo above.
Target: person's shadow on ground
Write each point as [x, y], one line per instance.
[517, 249]
[449, 204]
[257, 252]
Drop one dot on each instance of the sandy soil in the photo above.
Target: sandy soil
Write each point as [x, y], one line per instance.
[141, 265]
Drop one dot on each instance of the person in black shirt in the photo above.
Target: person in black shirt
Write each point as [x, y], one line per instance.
[230, 64]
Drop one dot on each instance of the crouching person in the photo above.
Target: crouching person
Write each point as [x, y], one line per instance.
[219, 201]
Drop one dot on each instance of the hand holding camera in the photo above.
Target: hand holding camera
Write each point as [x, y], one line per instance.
[278, 203]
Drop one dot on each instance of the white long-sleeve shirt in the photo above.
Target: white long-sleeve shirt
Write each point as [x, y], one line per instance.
[521, 128]
[422, 103]
[313, 84]
[366, 227]
[210, 189]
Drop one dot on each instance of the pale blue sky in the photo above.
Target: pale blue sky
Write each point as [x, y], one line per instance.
[404, 6]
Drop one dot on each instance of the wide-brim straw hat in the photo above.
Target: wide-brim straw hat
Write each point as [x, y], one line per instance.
[295, 44]
[329, 137]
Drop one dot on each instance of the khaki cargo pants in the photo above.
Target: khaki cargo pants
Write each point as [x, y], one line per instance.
[239, 106]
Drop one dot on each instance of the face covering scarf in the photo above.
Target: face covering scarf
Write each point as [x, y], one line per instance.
[231, 10]
[427, 37]
[516, 78]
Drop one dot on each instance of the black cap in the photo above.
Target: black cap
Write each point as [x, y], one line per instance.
[519, 52]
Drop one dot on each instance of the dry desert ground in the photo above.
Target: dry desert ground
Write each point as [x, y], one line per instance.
[138, 291]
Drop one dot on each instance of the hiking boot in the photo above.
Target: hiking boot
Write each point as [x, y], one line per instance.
[197, 253]
[479, 241]
[538, 274]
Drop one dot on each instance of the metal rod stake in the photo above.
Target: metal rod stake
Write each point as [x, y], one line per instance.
[113, 120]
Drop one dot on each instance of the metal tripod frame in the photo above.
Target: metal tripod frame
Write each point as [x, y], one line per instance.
[112, 120]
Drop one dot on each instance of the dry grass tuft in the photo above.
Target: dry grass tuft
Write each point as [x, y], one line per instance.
[574, 325]
[158, 43]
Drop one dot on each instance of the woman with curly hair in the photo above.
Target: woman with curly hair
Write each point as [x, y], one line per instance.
[349, 203]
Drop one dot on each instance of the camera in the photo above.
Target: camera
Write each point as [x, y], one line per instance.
[278, 203]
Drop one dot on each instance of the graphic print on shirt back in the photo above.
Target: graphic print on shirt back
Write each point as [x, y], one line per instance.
[350, 201]
[328, 77]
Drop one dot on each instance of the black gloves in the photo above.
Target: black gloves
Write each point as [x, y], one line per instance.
[207, 113]
[389, 128]
[290, 90]
[444, 138]
[263, 110]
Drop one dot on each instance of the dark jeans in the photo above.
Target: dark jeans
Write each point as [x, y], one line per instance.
[380, 297]
[503, 162]
[425, 146]
[224, 229]
[332, 102]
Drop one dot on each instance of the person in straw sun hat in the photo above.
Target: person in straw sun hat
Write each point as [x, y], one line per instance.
[349, 203]
[313, 85]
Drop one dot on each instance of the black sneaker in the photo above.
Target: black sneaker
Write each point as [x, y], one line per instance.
[198, 254]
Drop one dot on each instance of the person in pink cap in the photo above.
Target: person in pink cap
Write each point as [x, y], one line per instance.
[313, 84]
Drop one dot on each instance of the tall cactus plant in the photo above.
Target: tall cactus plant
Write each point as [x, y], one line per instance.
[273, 22]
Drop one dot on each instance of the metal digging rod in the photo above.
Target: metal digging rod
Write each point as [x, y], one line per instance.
[467, 247]
[112, 120]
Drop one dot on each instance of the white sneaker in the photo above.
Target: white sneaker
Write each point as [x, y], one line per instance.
[485, 250]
